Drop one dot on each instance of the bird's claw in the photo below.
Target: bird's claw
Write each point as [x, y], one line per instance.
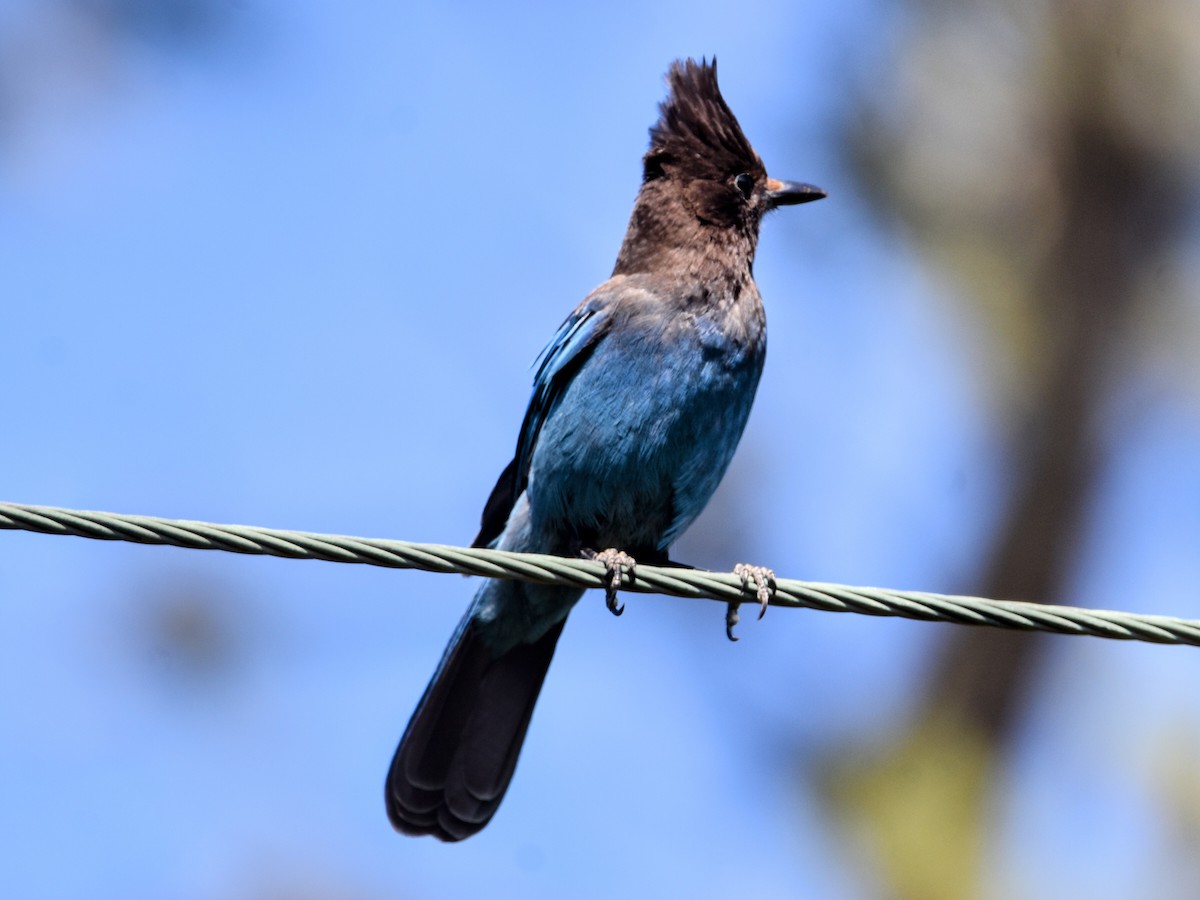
[764, 584]
[731, 619]
[613, 561]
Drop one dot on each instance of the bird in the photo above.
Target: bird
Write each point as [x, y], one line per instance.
[639, 401]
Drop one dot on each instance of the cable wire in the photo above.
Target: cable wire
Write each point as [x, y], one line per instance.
[535, 567]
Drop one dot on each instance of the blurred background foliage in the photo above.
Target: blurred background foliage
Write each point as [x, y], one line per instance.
[288, 263]
[1043, 155]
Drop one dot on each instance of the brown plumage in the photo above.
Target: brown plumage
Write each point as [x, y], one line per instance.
[702, 186]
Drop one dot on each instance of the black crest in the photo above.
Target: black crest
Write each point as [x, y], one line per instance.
[696, 130]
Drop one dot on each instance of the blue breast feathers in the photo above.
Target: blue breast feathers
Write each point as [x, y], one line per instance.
[629, 448]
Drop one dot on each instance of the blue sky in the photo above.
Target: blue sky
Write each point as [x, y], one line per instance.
[294, 275]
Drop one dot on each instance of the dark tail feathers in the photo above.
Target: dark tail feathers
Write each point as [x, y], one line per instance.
[459, 751]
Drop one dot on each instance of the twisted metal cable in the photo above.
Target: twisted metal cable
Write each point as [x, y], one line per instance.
[697, 583]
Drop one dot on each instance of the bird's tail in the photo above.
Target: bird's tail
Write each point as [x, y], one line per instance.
[459, 751]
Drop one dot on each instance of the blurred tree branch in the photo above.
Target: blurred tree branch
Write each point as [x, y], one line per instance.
[1018, 149]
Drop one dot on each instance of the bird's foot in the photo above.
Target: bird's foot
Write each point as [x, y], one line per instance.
[613, 561]
[764, 584]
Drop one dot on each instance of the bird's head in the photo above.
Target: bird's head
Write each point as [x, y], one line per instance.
[700, 174]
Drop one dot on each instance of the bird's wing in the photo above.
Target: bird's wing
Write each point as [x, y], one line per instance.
[567, 351]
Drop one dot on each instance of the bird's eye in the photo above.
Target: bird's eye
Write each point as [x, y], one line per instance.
[745, 184]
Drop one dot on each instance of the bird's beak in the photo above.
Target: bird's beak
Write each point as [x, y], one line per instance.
[789, 193]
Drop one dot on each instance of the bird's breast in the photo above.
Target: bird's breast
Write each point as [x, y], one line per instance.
[641, 437]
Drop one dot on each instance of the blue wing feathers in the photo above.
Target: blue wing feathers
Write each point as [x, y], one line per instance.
[556, 365]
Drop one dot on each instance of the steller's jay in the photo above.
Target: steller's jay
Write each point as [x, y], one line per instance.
[638, 403]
